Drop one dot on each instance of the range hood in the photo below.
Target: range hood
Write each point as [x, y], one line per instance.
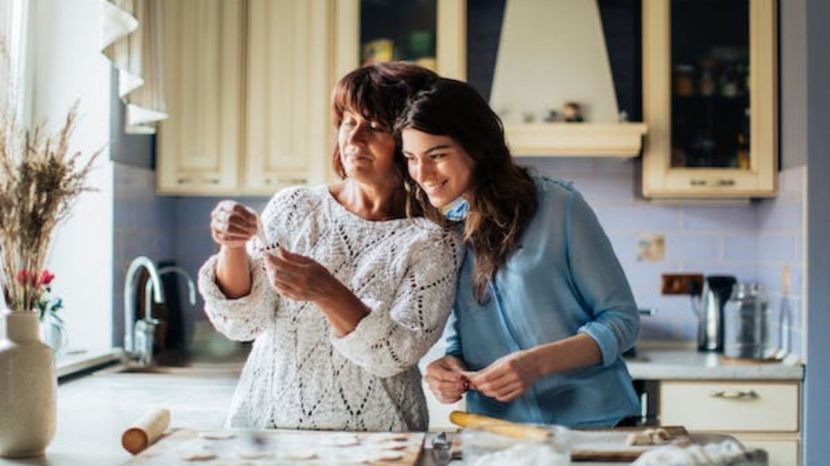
[552, 52]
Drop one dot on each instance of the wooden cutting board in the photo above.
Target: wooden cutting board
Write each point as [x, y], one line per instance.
[611, 444]
[280, 445]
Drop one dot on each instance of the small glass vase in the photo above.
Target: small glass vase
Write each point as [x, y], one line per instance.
[28, 389]
[53, 333]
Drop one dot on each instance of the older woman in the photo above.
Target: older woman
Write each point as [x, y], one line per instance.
[543, 310]
[348, 294]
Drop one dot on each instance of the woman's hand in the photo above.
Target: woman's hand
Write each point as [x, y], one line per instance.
[445, 379]
[508, 377]
[298, 277]
[232, 224]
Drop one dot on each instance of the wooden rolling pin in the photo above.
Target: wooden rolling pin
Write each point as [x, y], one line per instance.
[498, 426]
[145, 431]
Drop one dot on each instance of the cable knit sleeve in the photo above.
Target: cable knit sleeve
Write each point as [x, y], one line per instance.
[245, 318]
[241, 319]
[397, 334]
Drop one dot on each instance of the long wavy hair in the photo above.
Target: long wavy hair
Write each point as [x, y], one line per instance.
[379, 93]
[503, 197]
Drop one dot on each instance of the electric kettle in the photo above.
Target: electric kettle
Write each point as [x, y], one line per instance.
[708, 307]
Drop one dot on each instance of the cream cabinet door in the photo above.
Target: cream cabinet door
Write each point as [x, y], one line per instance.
[710, 99]
[783, 452]
[199, 145]
[288, 87]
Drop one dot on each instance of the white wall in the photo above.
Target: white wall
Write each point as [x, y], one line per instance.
[67, 66]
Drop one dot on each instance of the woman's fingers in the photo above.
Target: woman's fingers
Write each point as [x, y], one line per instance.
[442, 369]
[454, 364]
[491, 387]
[511, 394]
[293, 258]
[232, 224]
[446, 385]
[446, 392]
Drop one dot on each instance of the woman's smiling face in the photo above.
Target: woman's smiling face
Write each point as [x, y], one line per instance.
[440, 166]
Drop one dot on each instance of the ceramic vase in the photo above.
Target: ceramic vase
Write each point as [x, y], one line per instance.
[28, 388]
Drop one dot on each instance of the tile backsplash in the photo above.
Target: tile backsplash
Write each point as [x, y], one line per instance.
[752, 241]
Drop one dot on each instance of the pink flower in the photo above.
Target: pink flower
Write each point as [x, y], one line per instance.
[46, 277]
[23, 276]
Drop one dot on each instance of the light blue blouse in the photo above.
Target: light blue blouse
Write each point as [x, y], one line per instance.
[563, 279]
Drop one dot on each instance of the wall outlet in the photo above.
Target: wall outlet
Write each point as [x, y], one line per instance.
[681, 283]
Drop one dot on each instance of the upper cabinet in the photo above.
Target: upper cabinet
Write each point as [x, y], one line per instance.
[199, 145]
[710, 98]
[288, 87]
[247, 84]
[431, 33]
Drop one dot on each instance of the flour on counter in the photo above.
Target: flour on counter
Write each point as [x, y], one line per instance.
[525, 454]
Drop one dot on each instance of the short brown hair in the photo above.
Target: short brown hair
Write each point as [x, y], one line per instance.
[379, 93]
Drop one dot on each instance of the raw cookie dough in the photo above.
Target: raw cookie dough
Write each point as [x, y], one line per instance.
[218, 435]
[658, 436]
[197, 454]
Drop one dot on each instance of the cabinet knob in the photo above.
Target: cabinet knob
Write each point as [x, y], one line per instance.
[734, 394]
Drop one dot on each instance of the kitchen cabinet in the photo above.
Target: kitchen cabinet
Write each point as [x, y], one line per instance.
[199, 145]
[287, 138]
[248, 84]
[431, 33]
[710, 98]
[761, 414]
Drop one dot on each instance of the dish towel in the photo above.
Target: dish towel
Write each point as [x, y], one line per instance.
[726, 453]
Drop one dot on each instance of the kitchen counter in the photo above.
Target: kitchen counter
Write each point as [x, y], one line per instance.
[94, 410]
[688, 364]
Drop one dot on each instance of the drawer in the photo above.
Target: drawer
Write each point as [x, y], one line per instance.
[779, 452]
[731, 406]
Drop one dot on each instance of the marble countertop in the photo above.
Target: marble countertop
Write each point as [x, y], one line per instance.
[688, 364]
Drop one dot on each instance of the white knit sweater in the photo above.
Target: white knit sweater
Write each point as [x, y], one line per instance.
[299, 374]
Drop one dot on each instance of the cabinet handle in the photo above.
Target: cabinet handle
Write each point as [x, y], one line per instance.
[735, 394]
[191, 180]
[723, 182]
[286, 181]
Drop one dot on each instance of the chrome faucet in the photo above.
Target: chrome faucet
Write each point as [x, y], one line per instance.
[132, 331]
[145, 329]
[149, 287]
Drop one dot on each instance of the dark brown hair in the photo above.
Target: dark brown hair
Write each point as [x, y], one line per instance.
[503, 193]
[379, 93]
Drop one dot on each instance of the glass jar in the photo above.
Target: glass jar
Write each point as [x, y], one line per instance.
[746, 321]
[684, 80]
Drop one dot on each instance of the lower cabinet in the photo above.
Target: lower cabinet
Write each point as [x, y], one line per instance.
[761, 414]
[781, 452]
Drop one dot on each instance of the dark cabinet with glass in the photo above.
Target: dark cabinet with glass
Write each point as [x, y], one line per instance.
[428, 32]
[709, 87]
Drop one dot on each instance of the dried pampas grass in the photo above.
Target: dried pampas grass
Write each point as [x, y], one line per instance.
[39, 181]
